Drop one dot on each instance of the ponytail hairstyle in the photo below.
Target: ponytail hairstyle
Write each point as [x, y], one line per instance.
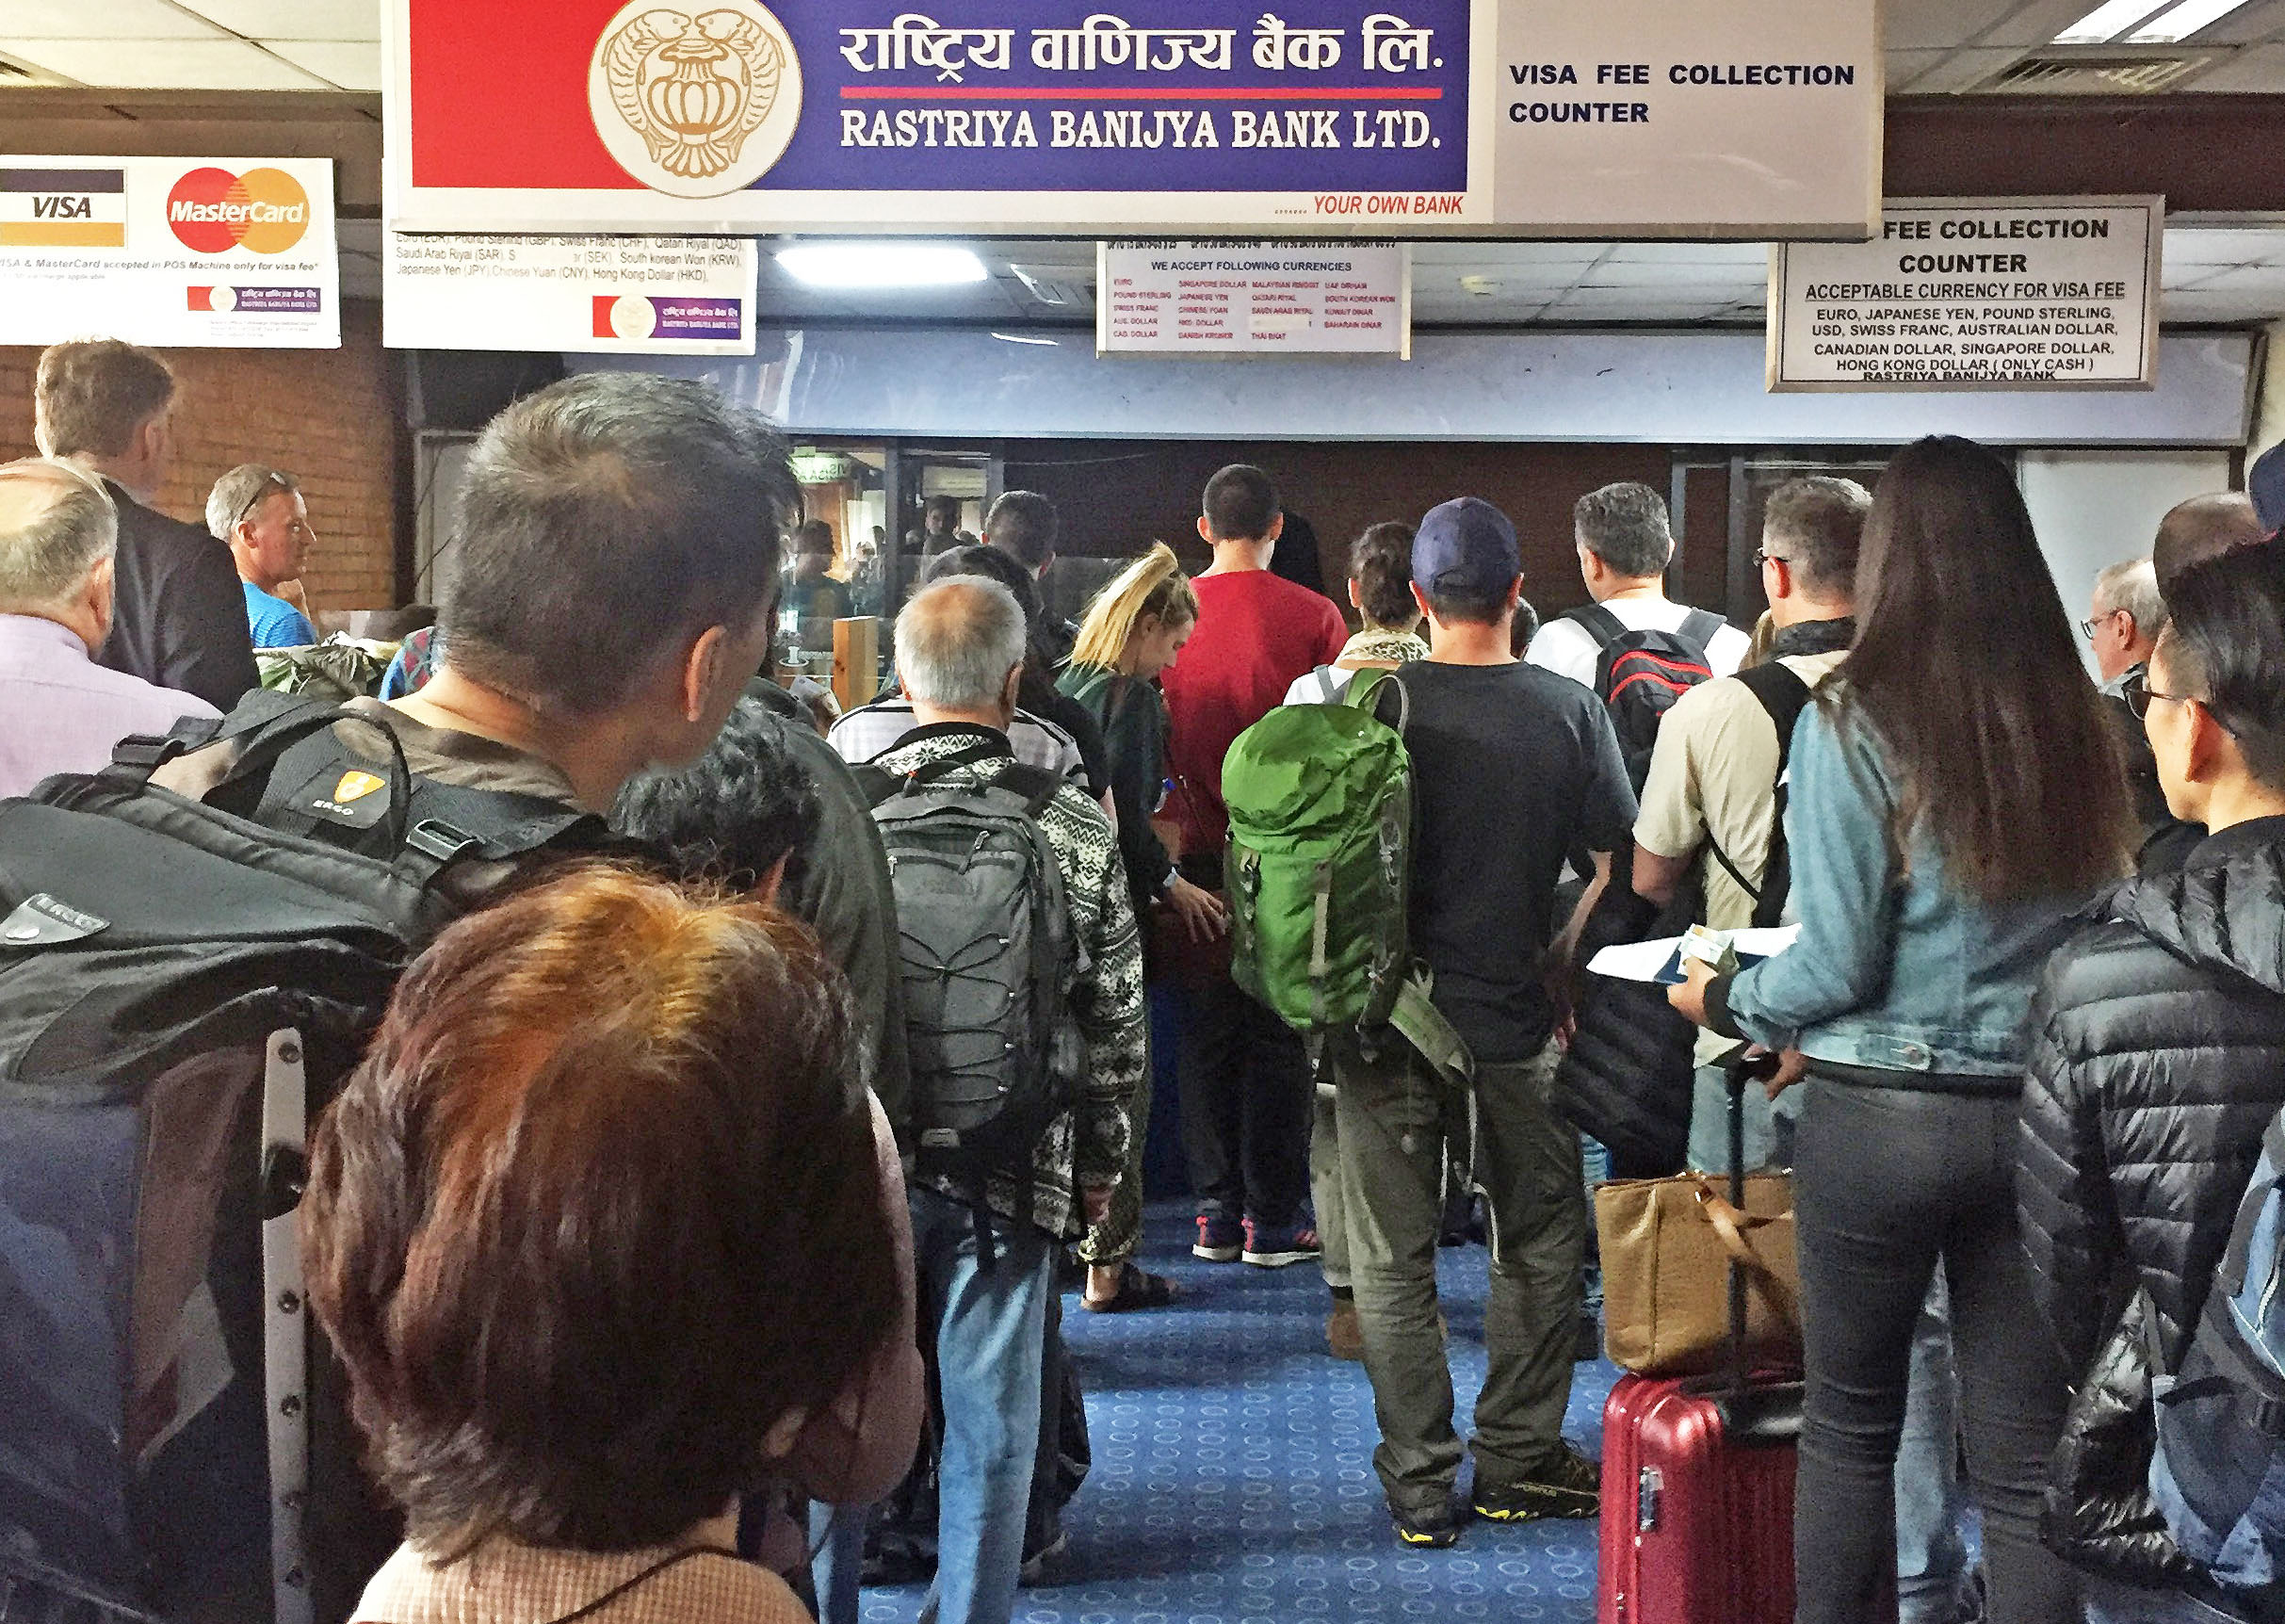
[1153, 585]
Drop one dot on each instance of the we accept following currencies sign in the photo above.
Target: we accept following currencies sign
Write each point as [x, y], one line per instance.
[1738, 117]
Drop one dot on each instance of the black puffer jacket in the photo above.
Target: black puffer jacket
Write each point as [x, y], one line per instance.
[2157, 1058]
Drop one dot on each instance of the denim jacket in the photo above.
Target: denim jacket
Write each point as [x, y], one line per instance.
[1895, 969]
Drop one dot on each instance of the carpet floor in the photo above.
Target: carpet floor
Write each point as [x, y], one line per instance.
[1233, 1478]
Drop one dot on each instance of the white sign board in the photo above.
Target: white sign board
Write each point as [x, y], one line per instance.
[183, 252]
[1966, 293]
[629, 294]
[1645, 118]
[1253, 299]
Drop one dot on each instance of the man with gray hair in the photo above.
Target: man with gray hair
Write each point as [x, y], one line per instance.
[179, 618]
[258, 512]
[59, 712]
[2125, 618]
[985, 1244]
[1624, 546]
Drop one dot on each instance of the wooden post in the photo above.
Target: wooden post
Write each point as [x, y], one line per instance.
[856, 662]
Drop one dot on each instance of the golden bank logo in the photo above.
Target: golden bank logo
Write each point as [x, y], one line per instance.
[212, 211]
[695, 105]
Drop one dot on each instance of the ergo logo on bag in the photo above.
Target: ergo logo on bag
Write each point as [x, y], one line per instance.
[212, 211]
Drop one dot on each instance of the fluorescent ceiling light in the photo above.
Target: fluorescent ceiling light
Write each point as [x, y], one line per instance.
[879, 265]
[2181, 21]
[2106, 22]
[1020, 338]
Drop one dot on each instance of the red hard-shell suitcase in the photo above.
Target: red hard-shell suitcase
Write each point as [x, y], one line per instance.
[1697, 1523]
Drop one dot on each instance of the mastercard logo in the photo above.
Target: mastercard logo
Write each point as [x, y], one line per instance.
[212, 211]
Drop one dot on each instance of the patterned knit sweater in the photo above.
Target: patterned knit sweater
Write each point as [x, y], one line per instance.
[1087, 1146]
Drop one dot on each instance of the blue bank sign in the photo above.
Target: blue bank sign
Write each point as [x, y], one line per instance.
[1742, 117]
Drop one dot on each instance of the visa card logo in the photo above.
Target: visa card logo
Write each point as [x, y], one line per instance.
[63, 208]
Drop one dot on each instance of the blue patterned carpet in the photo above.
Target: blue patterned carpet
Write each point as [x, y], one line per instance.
[1233, 1477]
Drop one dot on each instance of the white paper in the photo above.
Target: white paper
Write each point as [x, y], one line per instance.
[1643, 961]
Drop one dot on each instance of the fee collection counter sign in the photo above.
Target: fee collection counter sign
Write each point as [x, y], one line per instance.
[1968, 293]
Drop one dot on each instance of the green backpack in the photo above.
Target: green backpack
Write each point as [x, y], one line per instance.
[1320, 799]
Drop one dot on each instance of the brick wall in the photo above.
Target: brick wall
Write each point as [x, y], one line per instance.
[323, 415]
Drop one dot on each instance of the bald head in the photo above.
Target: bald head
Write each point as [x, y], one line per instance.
[959, 644]
[2200, 529]
[57, 528]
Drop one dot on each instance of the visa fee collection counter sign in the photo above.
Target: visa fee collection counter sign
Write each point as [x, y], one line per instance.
[1971, 293]
[191, 253]
[1401, 118]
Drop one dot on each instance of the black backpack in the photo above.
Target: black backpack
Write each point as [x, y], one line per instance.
[1640, 675]
[183, 986]
[1626, 1080]
[989, 959]
[1784, 696]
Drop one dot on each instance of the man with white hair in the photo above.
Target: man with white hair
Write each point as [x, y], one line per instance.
[2125, 618]
[985, 1247]
[59, 712]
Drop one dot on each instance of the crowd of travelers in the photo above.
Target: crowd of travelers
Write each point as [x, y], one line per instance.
[721, 1173]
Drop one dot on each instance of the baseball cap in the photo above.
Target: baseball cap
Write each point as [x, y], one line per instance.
[1465, 547]
[2265, 484]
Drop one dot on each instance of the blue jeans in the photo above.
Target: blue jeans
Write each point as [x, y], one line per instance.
[991, 1320]
[836, 1534]
[1931, 1557]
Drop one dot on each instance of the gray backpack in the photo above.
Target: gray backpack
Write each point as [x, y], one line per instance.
[989, 959]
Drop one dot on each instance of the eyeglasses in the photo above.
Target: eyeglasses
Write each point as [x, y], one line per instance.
[2138, 693]
[272, 482]
[1763, 555]
[2086, 627]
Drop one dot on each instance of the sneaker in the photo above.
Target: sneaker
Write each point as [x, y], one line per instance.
[1344, 1337]
[1041, 1563]
[1570, 1486]
[1274, 1246]
[1434, 1529]
[1220, 1240]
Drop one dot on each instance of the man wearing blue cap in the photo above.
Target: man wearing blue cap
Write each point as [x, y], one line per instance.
[1513, 768]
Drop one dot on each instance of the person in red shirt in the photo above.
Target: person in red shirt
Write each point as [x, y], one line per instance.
[1243, 1080]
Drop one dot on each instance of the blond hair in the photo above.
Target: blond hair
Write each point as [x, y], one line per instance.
[1153, 585]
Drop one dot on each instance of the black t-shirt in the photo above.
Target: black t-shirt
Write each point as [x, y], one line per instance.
[1513, 768]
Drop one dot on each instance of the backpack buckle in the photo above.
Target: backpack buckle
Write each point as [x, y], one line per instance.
[436, 839]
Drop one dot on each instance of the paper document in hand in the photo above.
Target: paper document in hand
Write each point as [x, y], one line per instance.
[1659, 961]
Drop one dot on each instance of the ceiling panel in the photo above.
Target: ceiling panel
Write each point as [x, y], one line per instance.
[90, 19]
[294, 19]
[1906, 68]
[2259, 69]
[352, 64]
[214, 64]
[1917, 24]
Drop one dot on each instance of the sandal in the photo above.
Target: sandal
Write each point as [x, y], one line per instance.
[1137, 1289]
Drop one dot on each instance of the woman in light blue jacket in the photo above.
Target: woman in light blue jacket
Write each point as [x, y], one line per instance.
[1954, 796]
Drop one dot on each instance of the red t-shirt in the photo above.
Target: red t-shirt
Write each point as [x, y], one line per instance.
[1257, 632]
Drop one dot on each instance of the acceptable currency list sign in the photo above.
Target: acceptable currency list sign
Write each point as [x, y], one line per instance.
[183, 252]
[1253, 299]
[640, 296]
[2018, 293]
[1403, 118]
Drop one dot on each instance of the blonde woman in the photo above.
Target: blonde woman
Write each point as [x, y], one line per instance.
[1132, 632]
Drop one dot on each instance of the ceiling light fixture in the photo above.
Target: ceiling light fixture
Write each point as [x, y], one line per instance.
[2181, 21]
[1020, 338]
[879, 265]
[2106, 22]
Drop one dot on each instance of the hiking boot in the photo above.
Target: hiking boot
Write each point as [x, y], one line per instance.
[1274, 1245]
[1220, 1240]
[1568, 1486]
[1431, 1528]
[1344, 1336]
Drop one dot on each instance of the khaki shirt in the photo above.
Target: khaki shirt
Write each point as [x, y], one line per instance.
[504, 1583]
[1714, 773]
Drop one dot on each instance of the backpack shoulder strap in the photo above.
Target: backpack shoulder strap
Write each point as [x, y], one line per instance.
[1602, 625]
[1784, 695]
[1326, 686]
[1699, 628]
[1036, 785]
[1368, 691]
